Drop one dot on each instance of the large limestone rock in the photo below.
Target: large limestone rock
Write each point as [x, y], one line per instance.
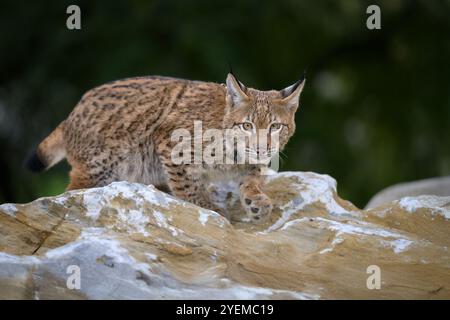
[439, 186]
[132, 241]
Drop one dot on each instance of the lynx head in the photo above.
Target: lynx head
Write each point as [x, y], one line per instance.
[266, 118]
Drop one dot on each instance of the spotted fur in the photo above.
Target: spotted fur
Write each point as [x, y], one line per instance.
[121, 131]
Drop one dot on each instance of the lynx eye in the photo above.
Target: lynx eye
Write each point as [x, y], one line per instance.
[275, 126]
[247, 126]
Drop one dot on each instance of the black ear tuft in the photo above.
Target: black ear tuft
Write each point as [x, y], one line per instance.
[241, 85]
[286, 92]
[232, 73]
[231, 68]
[299, 82]
[303, 77]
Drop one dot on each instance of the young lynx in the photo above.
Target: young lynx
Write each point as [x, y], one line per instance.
[123, 131]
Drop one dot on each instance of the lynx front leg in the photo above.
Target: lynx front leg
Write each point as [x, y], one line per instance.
[183, 182]
[257, 205]
[187, 186]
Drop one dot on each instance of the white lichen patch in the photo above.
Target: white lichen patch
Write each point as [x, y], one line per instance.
[397, 241]
[93, 201]
[337, 240]
[203, 217]
[96, 198]
[151, 256]
[61, 200]
[162, 222]
[288, 210]
[9, 209]
[313, 188]
[317, 187]
[112, 248]
[241, 292]
[294, 222]
[399, 245]
[358, 228]
[134, 220]
[437, 205]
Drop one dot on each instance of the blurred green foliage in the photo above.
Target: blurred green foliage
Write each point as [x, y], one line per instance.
[375, 110]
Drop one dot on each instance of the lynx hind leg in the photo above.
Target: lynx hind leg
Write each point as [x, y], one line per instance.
[256, 204]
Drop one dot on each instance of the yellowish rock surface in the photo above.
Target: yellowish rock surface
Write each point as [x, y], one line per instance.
[132, 241]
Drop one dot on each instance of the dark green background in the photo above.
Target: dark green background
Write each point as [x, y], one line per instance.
[375, 110]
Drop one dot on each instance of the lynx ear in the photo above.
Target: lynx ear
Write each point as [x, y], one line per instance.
[291, 94]
[236, 91]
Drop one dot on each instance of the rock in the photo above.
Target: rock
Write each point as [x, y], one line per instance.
[439, 186]
[130, 241]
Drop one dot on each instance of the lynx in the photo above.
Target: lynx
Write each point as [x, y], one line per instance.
[122, 131]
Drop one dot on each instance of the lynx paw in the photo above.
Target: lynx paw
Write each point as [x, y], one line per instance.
[257, 206]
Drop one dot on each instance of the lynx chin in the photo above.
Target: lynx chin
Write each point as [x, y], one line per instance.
[123, 130]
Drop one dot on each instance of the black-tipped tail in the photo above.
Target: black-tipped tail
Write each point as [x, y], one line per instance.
[34, 163]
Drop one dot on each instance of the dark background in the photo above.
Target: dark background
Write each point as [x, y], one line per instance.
[375, 110]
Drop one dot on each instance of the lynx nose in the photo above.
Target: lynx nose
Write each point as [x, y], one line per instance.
[261, 152]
